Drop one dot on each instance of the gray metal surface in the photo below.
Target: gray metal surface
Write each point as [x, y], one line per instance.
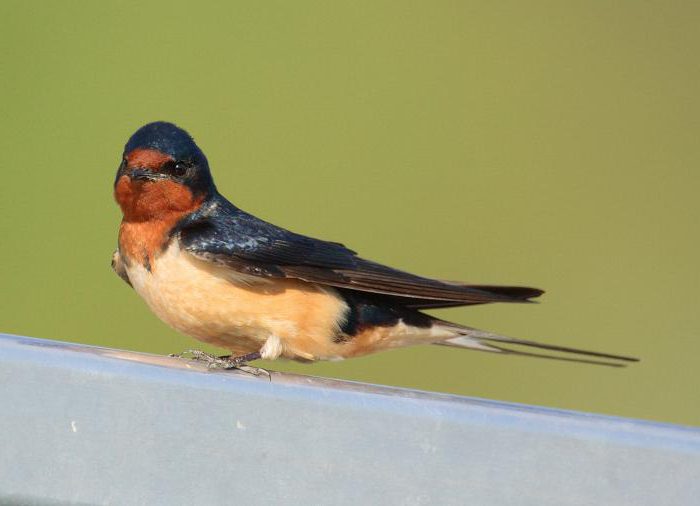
[86, 425]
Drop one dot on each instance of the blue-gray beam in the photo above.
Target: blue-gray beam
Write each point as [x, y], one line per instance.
[87, 425]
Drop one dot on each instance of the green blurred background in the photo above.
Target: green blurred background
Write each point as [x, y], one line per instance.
[545, 143]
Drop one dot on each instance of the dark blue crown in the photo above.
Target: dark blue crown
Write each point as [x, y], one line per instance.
[166, 138]
[174, 141]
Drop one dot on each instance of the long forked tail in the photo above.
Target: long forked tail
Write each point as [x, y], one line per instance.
[487, 341]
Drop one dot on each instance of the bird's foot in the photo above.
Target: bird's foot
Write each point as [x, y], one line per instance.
[225, 362]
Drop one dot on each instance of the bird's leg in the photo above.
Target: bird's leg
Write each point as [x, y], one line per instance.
[229, 361]
[225, 362]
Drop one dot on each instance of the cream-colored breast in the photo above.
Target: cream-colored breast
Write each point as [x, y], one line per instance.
[237, 311]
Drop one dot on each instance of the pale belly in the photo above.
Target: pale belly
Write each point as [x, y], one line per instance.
[240, 312]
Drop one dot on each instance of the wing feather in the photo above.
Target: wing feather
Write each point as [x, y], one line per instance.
[221, 233]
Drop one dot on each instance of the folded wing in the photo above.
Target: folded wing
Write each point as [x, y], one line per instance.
[221, 233]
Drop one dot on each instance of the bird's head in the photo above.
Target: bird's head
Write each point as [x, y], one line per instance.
[162, 172]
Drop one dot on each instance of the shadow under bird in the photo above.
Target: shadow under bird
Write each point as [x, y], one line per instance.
[220, 275]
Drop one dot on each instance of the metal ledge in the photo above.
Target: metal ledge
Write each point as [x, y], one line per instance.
[87, 425]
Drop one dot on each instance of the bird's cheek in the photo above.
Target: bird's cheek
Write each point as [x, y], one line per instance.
[178, 197]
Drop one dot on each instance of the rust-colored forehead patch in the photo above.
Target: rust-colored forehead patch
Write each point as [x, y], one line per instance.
[149, 158]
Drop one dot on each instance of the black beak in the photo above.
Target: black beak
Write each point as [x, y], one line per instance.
[145, 175]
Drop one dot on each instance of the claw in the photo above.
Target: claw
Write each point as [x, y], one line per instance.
[255, 371]
[226, 362]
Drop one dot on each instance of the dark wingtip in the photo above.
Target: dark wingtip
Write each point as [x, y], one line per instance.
[513, 293]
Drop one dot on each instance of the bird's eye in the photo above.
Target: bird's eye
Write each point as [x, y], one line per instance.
[177, 169]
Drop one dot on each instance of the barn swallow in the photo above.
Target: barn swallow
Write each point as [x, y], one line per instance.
[218, 274]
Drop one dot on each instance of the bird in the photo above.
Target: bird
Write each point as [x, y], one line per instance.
[218, 274]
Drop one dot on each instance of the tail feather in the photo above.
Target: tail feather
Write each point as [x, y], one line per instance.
[485, 341]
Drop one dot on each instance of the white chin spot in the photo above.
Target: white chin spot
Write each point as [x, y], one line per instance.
[272, 348]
